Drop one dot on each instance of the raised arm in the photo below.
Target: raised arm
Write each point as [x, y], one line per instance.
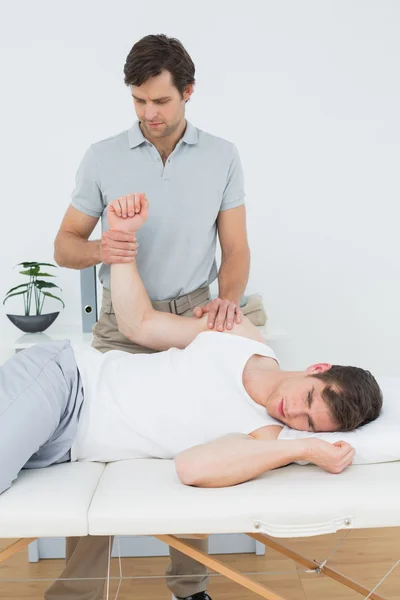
[135, 314]
[137, 319]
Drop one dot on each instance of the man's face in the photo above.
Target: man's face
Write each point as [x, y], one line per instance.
[159, 106]
[298, 403]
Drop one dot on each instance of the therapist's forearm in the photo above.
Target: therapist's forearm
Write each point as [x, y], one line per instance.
[234, 459]
[74, 252]
[130, 300]
[233, 275]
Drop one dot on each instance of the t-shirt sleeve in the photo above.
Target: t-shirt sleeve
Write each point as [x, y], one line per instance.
[234, 194]
[87, 196]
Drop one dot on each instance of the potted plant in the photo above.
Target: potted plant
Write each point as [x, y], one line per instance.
[34, 292]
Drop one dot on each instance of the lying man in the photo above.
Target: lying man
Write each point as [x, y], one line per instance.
[223, 392]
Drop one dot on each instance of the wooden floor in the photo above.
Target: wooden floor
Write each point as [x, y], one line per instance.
[365, 556]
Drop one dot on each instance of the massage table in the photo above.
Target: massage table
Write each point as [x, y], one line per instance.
[145, 497]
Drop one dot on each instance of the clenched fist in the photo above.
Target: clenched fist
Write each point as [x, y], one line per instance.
[125, 216]
[333, 458]
[128, 213]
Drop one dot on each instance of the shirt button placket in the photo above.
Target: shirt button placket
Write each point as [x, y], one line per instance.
[166, 170]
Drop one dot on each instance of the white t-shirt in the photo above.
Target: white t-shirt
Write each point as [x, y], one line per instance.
[156, 405]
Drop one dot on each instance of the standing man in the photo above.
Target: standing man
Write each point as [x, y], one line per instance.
[194, 182]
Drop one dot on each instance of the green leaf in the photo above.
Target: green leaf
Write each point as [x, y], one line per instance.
[45, 275]
[45, 284]
[17, 287]
[33, 271]
[55, 297]
[35, 264]
[10, 295]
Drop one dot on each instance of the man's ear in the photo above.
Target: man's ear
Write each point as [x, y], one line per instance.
[318, 368]
[188, 91]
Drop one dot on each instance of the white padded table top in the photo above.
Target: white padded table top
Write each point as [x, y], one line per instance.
[145, 497]
[49, 502]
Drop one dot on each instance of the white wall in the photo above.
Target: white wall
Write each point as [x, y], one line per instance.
[308, 90]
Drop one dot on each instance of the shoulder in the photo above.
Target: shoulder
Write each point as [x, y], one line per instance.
[246, 329]
[214, 140]
[267, 433]
[241, 333]
[224, 148]
[111, 144]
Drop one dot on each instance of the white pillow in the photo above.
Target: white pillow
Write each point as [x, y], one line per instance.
[375, 442]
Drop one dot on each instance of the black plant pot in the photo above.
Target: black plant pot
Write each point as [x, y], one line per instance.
[33, 323]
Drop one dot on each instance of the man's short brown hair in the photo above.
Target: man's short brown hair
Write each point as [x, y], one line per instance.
[352, 394]
[154, 54]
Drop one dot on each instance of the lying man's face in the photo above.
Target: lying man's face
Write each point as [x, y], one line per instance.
[297, 402]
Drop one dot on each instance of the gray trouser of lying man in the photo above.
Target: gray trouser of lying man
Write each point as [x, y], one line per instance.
[40, 399]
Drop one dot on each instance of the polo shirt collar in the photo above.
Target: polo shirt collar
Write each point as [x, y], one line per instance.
[136, 137]
[191, 135]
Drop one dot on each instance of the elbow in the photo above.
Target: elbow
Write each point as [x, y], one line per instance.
[185, 471]
[134, 331]
[58, 259]
[137, 328]
[126, 330]
[58, 254]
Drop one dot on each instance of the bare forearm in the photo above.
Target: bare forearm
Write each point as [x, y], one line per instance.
[130, 300]
[74, 252]
[234, 459]
[233, 275]
[139, 321]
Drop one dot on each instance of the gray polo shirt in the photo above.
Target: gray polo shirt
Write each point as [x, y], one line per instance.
[201, 177]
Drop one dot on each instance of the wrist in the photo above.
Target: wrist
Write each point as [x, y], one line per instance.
[230, 296]
[98, 250]
[303, 449]
[289, 451]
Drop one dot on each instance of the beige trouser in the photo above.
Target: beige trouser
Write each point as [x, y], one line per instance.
[87, 557]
